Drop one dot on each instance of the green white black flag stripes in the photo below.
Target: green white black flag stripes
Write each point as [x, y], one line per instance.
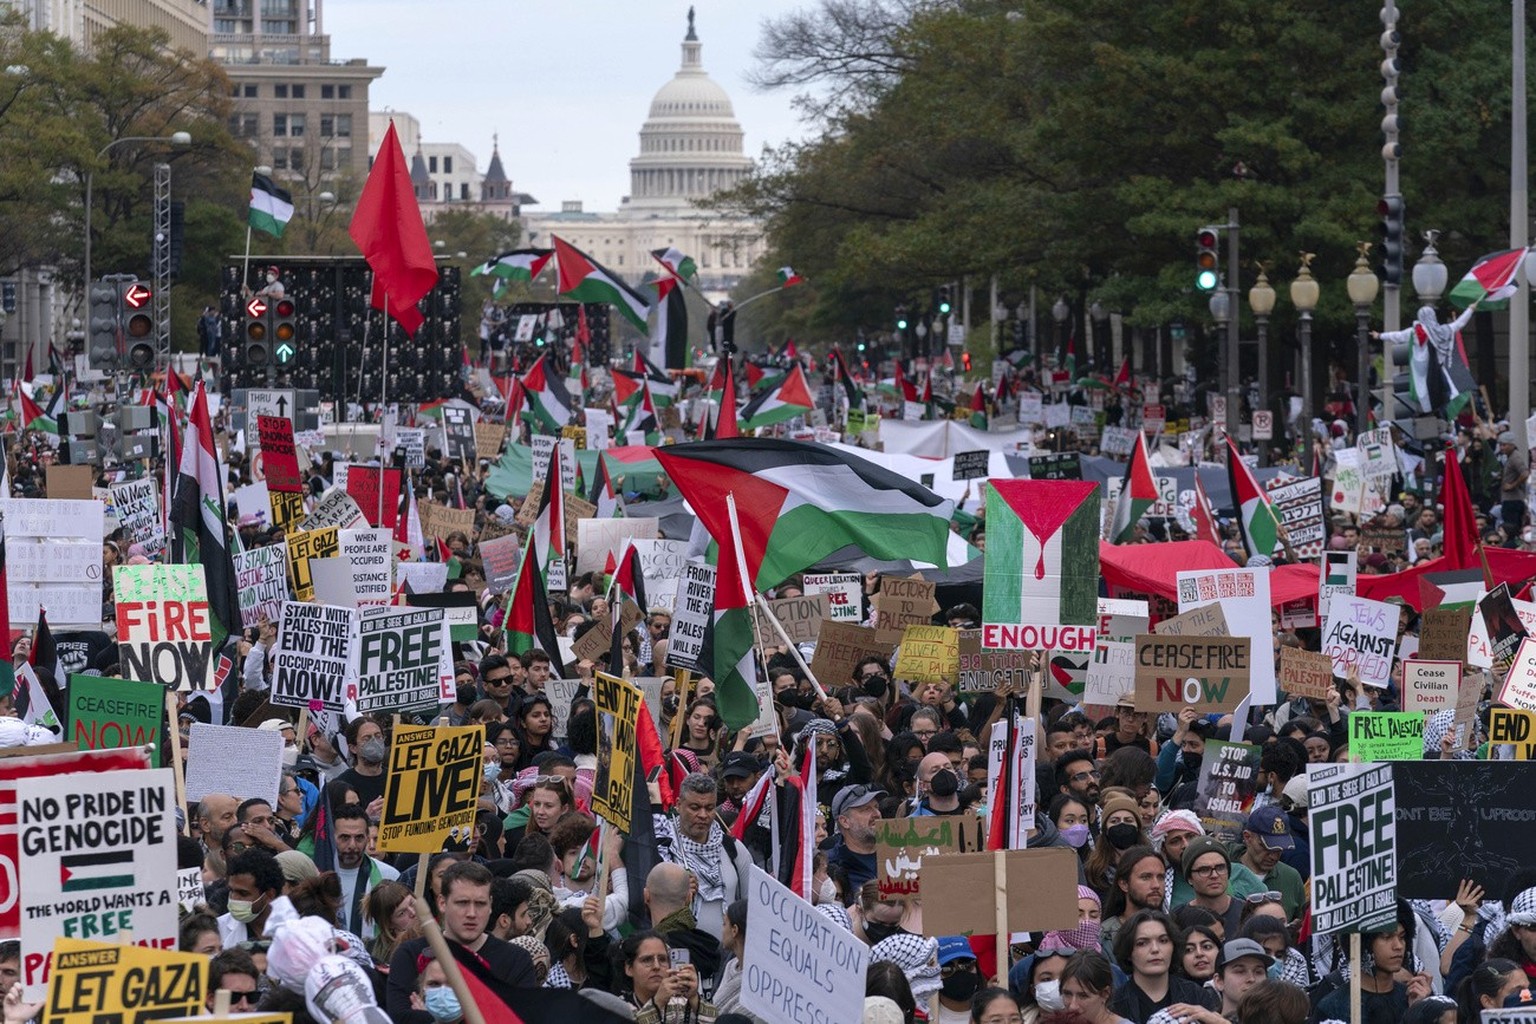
[271, 207]
[1042, 568]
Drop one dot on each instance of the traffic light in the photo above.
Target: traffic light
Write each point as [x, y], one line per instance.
[1207, 260]
[254, 335]
[1392, 213]
[901, 318]
[943, 303]
[102, 343]
[284, 331]
[965, 361]
[138, 324]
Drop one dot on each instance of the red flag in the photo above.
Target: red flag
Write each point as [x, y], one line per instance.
[387, 227]
[1123, 378]
[1461, 540]
[725, 422]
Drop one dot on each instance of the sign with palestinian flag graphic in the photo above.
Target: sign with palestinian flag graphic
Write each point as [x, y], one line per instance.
[1042, 568]
[97, 861]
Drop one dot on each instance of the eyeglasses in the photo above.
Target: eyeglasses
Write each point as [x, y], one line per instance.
[1210, 870]
[1257, 898]
[924, 734]
[244, 997]
[654, 960]
[498, 681]
[1084, 776]
[1055, 946]
[961, 966]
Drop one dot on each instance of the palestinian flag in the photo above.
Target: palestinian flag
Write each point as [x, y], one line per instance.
[628, 581]
[1123, 378]
[1255, 515]
[271, 207]
[87, 872]
[788, 278]
[1137, 494]
[549, 404]
[515, 264]
[31, 700]
[664, 389]
[527, 624]
[979, 407]
[627, 387]
[1440, 381]
[669, 327]
[633, 467]
[1204, 515]
[800, 503]
[735, 664]
[584, 279]
[725, 426]
[763, 376]
[1491, 281]
[197, 519]
[840, 375]
[642, 414]
[790, 399]
[1457, 589]
[677, 264]
[33, 417]
[548, 534]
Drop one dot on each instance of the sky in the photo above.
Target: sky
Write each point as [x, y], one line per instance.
[566, 84]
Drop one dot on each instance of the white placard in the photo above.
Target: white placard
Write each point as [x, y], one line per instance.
[336, 508]
[1244, 598]
[423, 577]
[1023, 773]
[53, 560]
[1519, 690]
[370, 553]
[1360, 634]
[1111, 673]
[1122, 619]
[845, 594]
[237, 762]
[691, 616]
[1430, 685]
[788, 946]
[1337, 577]
[596, 538]
[404, 661]
[261, 576]
[661, 559]
[316, 644]
[136, 504]
[252, 502]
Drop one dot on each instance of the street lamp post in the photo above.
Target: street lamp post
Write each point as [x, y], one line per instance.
[1104, 355]
[1363, 286]
[1304, 296]
[1220, 305]
[179, 139]
[1261, 300]
[1059, 312]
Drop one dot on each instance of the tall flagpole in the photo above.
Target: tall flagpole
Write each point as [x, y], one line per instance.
[383, 401]
[1519, 211]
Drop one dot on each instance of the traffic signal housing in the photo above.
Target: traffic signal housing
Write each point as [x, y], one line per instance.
[901, 318]
[1393, 213]
[284, 331]
[943, 303]
[138, 325]
[1207, 259]
[255, 334]
[104, 326]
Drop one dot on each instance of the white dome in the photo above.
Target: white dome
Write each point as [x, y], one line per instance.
[691, 94]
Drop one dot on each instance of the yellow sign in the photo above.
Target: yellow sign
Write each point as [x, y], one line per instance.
[929, 654]
[287, 508]
[618, 716]
[304, 545]
[99, 981]
[433, 786]
[1514, 729]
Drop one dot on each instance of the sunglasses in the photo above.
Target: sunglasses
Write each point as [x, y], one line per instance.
[1257, 898]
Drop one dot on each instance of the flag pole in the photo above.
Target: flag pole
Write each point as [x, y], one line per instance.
[383, 395]
[245, 271]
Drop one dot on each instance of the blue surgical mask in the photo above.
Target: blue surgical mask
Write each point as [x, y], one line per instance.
[443, 1004]
[1274, 970]
[1075, 836]
[492, 771]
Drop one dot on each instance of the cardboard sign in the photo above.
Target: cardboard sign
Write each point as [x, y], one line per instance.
[70, 482]
[279, 459]
[789, 932]
[106, 713]
[1208, 673]
[901, 603]
[971, 465]
[314, 656]
[234, 760]
[1040, 886]
[1512, 734]
[489, 440]
[503, 560]
[845, 594]
[982, 670]
[928, 654]
[99, 862]
[1206, 620]
[363, 487]
[561, 692]
[1386, 735]
[661, 559]
[1338, 577]
[401, 659]
[902, 843]
[433, 788]
[1047, 535]
[801, 618]
[189, 888]
[1111, 673]
[1353, 819]
[302, 546]
[1228, 783]
[618, 715]
[1305, 673]
[441, 522]
[1519, 689]
[1362, 634]
[261, 576]
[1503, 624]
[1244, 598]
[164, 628]
[95, 982]
[1443, 634]
[459, 442]
[136, 504]
[1430, 686]
[336, 508]
[1122, 620]
[596, 538]
[841, 647]
[691, 616]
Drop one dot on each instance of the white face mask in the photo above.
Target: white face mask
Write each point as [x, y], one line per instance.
[1048, 995]
[826, 892]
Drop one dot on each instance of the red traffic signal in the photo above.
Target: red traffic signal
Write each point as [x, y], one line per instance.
[136, 295]
[257, 307]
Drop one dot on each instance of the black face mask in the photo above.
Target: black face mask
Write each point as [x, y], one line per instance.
[960, 986]
[875, 686]
[1122, 836]
[944, 783]
[1191, 763]
[878, 932]
[466, 694]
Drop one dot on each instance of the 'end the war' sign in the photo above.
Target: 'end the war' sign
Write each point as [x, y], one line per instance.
[164, 631]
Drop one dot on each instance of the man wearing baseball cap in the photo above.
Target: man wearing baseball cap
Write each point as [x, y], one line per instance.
[958, 978]
[1243, 964]
[855, 809]
[1266, 837]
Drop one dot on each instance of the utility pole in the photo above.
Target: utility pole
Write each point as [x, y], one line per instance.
[1519, 202]
[1232, 376]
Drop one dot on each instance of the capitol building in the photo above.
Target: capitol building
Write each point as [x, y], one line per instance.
[690, 149]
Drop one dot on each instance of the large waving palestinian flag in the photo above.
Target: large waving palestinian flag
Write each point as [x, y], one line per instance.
[549, 403]
[585, 279]
[1255, 515]
[790, 399]
[515, 265]
[799, 503]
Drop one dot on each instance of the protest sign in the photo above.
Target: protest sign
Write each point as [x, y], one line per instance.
[1430, 685]
[1208, 673]
[403, 661]
[411, 444]
[279, 459]
[164, 630]
[314, 654]
[105, 713]
[845, 594]
[1225, 792]
[458, 433]
[1117, 441]
[841, 647]
[1503, 625]
[1443, 634]
[1353, 820]
[1386, 735]
[928, 654]
[302, 546]
[596, 538]
[189, 888]
[231, 759]
[798, 965]
[661, 559]
[1121, 619]
[1043, 592]
[136, 504]
[561, 692]
[1040, 887]
[261, 577]
[1461, 819]
[691, 615]
[99, 862]
[902, 843]
[1206, 620]
[287, 508]
[618, 715]
[1244, 598]
[70, 482]
[1055, 466]
[53, 561]
[801, 618]
[363, 487]
[101, 982]
[433, 788]
[981, 670]
[422, 577]
[1111, 673]
[901, 603]
[460, 612]
[1299, 504]
[370, 554]
[252, 504]
[1338, 577]
[441, 522]
[336, 508]
[489, 439]
[1305, 673]
[1378, 457]
[503, 559]
[1022, 772]
[1511, 734]
[970, 465]
[1386, 541]
[1519, 689]
[1362, 635]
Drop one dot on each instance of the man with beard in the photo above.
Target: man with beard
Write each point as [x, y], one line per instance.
[1139, 880]
[1178, 762]
[1077, 776]
[855, 809]
[694, 839]
[357, 872]
[365, 739]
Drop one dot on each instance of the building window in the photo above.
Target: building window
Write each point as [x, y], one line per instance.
[327, 126]
[327, 159]
[447, 165]
[280, 125]
[280, 91]
[298, 92]
[464, 191]
[327, 92]
[296, 159]
[295, 125]
[279, 159]
[343, 92]
[344, 126]
[432, 164]
[250, 92]
[248, 126]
